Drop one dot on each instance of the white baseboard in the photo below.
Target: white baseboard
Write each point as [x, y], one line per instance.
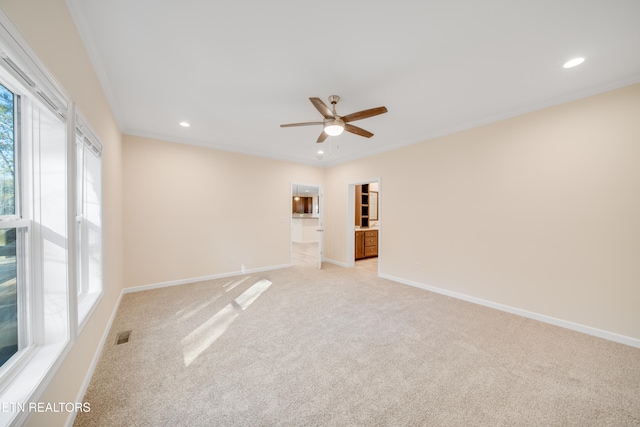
[94, 361]
[332, 261]
[611, 336]
[201, 279]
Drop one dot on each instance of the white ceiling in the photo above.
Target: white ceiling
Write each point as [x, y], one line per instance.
[237, 70]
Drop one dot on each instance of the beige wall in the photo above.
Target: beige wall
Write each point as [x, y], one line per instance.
[195, 212]
[51, 33]
[539, 212]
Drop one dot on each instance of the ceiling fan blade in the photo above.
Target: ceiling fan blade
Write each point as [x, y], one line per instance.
[322, 107]
[364, 114]
[322, 137]
[300, 124]
[357, 130]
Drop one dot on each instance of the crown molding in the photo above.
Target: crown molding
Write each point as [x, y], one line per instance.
[96, 61]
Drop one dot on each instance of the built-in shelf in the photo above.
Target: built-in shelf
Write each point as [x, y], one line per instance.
[362, 205]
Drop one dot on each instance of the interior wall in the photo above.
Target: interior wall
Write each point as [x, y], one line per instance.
[538, 212]
[196, 212]
[50, 31]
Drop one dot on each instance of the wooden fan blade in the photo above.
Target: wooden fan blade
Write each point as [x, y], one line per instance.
[322, 107]
[290, 125]
[357, 130]
[322, 137]
[364, 114]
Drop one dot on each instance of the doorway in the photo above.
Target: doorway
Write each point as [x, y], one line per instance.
[363, 225]
[306, 229]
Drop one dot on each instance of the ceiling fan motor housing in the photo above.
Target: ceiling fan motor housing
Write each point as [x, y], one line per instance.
[337, 121]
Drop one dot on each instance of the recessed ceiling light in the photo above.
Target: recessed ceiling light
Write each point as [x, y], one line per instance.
[573, 62]
[320, 152]
[184, 124]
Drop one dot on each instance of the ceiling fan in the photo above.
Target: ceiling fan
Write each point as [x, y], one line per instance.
[334, 124]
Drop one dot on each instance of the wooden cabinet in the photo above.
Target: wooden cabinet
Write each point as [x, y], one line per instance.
[302, 205]
[370, 243]
[366, 244]
[359, 245]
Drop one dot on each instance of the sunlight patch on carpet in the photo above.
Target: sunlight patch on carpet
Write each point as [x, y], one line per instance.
[233, 284]
[186, 314]
[201, 338]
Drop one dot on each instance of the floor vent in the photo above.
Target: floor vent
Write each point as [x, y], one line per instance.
[123, 337]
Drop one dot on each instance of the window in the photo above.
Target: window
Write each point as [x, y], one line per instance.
[88, 218]
[33, 224]
[7, 152]
[10, 283]
[8, 295]
[50, 223]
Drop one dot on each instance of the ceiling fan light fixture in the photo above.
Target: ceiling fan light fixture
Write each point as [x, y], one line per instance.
[334, 127]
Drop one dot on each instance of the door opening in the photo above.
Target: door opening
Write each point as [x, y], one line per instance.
[363, 247]
[306, 225]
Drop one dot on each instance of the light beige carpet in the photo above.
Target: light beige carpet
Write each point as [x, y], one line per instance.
[342, 347]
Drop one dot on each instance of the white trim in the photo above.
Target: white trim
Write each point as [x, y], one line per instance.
[351, 228]
[230, 148]
[45, 362]
[87, 302]
[338, 263]
[325, 164]
[503, 115]
[201, 279]
[321, 239]
[41, 84]
[14, 223]
[72, 258]
[96, 357]
[88, 133]
[85, 35]
[611, 336]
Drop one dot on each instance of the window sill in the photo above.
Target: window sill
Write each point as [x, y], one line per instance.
[29, 383]
[86, 304]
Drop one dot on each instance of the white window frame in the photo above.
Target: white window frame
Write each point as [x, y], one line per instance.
[26, 319]
[89, 289]
[23, 374]
[24, 377]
